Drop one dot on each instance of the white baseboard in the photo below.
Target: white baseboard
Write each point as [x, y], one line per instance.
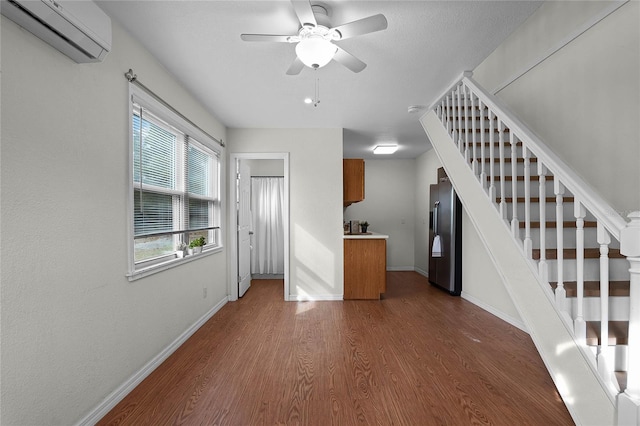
[400, 268]
[504, 317]
[422, 272]
[123, 390]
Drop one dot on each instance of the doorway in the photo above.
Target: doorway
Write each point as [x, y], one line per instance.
[240, 232]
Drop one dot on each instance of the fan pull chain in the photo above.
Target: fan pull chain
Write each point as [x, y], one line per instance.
[316, 99]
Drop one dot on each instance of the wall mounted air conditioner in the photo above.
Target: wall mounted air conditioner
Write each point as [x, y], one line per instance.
[79, 29]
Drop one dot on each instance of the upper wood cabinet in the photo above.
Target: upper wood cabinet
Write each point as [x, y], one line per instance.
[352, 181]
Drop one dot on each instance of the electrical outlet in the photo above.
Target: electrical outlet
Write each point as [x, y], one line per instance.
[204, 292]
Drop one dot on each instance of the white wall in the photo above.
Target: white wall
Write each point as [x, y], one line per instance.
[266, 167]
[389, 207]
[73, 327]
[316, 255]
[481, 283]
[584, 100]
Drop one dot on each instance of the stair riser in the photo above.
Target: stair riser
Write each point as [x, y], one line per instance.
[550, 212]
[569, 237]
[618, 308]
[618, 270]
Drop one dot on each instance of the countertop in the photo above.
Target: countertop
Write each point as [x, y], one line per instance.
[367, 236]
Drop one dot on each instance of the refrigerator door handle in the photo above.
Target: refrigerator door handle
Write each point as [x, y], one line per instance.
[436, 206]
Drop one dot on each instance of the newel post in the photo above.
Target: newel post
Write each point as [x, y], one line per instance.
[629, 401]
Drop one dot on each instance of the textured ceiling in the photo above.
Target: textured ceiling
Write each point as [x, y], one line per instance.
[426, 46]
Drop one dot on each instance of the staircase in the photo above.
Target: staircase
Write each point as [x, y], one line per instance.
[574, 251]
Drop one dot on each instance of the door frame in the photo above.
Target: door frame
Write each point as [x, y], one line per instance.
[232, 287]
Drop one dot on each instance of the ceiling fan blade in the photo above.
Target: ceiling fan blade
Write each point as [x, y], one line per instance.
[304, 12]
[348, 60]
[362, 26]
[265, 37]
[295, 67]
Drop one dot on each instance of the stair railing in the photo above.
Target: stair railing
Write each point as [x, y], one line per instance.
[457, 109]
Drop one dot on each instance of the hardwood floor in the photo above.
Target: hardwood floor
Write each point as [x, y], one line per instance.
[417, 357]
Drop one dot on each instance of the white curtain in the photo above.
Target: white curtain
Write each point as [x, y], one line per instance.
[267, 208]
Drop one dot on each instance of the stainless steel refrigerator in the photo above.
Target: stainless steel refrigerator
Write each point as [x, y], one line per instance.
[445, 236]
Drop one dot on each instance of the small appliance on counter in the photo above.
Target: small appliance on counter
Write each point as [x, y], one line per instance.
[355, 227]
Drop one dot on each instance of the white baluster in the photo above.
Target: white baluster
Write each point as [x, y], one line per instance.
[603, 356]
[503, 204]
[629, 401]
[461, 143]
[561, 293]
[543, 269]
[515, 224]
[467, 139]
[579, 324]
[528, 245]
[474, 137]
[492, 141]
[450, 129]
[483, 174]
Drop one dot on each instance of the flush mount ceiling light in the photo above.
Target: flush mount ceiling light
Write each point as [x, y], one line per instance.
[385, 149]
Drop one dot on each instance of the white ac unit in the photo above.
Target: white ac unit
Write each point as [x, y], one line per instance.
[79, 29]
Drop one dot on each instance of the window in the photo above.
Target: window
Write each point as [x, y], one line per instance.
[175, 187]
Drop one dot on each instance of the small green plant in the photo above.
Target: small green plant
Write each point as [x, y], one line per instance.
[198, 242]
[365, 223]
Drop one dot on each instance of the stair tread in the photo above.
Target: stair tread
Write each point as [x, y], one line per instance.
[565, 224]
[592, 288]
[478, 144]
[508, 160]
[618, 333]
[535, 199]
[570, 253]
[520, 178]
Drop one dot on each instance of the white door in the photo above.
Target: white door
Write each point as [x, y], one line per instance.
[244, 227]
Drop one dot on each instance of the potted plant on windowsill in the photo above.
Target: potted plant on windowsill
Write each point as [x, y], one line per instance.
[196, 245]
[181, 250]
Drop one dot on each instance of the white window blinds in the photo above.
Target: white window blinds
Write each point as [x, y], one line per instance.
[175, 185]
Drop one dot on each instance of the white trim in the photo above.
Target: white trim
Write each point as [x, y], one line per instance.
[124, 389]
[606, 11]
[232, 286]
[159, 267]
[315, 297]
[144, 99]
[504, 317]
[163, 116]
[422, 272]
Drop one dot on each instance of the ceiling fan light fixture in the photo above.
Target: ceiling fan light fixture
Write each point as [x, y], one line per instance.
[315, 52]
[385, 149]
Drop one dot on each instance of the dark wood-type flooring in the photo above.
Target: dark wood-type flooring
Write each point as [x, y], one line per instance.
[417, 357]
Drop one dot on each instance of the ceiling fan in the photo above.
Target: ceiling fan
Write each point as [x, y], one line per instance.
[315, 46]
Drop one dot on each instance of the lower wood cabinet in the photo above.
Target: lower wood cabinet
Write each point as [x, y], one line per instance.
[365, 268]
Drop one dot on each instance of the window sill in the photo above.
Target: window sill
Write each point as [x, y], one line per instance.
[159, 267]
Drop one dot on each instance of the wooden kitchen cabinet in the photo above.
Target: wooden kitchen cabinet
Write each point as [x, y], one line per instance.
[365, 268]
[352, 181]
